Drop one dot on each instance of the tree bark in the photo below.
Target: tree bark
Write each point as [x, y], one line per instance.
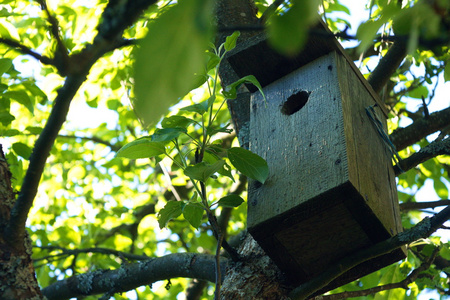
[17, 274]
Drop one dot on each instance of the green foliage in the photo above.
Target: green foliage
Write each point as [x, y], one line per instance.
[169, 57]
[100, 190]
[207, 161]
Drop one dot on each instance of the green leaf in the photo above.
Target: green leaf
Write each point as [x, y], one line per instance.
[8, 30]
[212, 62]
[231, 201]
[230, 42]
[176, 122]
[34, 129]
[22, 98]
[22, 150]
[170, 56]
[366, 33]
[440, 188]
[9, 132]
[6, 118]
[5, 65]
[249, 163]
[230, 91]
[445, 251]
[199, 108]
[288, 32]
[202, 171]
[171, 210]
[193, 213]
[141, 148]
[167, 134]
[418, 92]
[447, 72]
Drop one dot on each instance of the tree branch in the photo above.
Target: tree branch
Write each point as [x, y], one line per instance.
[15, 229]
[434, 149]
[95, 139]
[422, 230]
[387, 65]
[100, 250]
[401, 284]
[407, 206]
[404, 137]
[117, 16]
[131, 276]
[26, 51]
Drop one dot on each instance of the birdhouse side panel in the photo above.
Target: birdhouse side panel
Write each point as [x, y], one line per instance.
[370, 162]
[304, 147]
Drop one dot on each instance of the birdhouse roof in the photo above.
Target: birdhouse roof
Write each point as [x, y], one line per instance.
[256, 57]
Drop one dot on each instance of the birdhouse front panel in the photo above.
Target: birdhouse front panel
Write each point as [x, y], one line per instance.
[331, 189]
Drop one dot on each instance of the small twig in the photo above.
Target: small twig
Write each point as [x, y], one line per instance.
[27, 51]
[55, 31]
[270, 10]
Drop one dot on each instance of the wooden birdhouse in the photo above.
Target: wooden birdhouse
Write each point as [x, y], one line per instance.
[331, 190]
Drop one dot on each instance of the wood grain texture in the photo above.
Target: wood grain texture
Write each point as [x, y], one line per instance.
[331, 188]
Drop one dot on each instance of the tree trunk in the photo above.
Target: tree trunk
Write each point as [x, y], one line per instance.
[17, 274]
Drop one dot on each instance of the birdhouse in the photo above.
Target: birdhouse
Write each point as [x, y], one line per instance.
[331, 188]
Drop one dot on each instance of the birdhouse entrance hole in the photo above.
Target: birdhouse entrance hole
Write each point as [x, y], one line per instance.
[295, 102]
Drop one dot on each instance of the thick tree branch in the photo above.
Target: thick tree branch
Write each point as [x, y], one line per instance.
[131, 276]
[388, 65]
[422, 230]
[404, 137]
[434, 149]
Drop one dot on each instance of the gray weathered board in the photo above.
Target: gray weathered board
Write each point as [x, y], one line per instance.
[331, 188]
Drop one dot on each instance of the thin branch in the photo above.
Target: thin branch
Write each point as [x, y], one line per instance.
[131, 276]
[422, 230]
[100, 250]
[407, 206]
[270, 10]
[26, 51]
[434, 149]
[95, 139]
[401, 284]
[63, 53]
[404, 137]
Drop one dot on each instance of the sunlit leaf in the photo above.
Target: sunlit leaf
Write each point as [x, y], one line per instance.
[169, 56]
[171, 210]
[230, 41]
[141, 148]
[176, 121]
